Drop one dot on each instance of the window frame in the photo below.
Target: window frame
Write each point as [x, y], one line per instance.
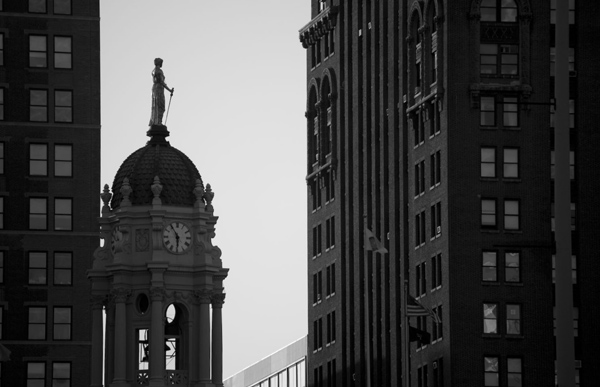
[491, 367]
[509, 164]
[493, 268]
[486, 213]
[511, 216]
[512, 373]
[59, 268]
[498, 11]
[56, 326]
[492, 328]
[514, 326]
[37, 162]
[60, 54]
[66, 109]
[507, 268]
[39, 107]
[34, 271]
[70, 375]
[43, 214]
[485, 113]
[54, 7]
[30, 375]
[59, 217]
[33, 324]
[34, 51]
[485, 163]
[59, 161]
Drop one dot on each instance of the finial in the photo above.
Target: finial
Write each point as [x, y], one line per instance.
[105, 196]
[156, 190]
[208, 197]
[199, 193]
[125, 192]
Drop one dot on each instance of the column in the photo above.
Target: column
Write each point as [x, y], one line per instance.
[204, 336]
[157, 338]
[97, 341]
[217, 338]
[120, 348]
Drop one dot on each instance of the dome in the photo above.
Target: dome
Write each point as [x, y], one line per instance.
[177, 173]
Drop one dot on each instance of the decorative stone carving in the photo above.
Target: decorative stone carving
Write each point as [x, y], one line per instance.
[156, 190]
[215, 253]
[125, 192]
[217, 299]
[208, 198]
[121, 294]
[98, 302]
[199, 193]
[105, 196]
[142, 239]
[157, 293]
[203, 296]
[199, 247]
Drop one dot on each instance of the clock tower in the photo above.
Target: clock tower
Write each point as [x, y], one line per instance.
[157, 275]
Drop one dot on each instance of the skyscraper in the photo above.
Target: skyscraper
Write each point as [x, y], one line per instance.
[430, 148]
[49, 186]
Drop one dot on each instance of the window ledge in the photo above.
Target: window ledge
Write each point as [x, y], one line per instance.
[517, 284]
[490, 230]
[490, 283]
[516, 337]
[488, 127]
[512, 180]
[513, 231]
[489, 179]
[491, 336]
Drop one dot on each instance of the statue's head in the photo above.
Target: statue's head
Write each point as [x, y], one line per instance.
[158, 62]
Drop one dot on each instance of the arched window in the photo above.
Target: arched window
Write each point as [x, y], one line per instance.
[313, 128]
[326, 135]
[416, 53]
[504, 11]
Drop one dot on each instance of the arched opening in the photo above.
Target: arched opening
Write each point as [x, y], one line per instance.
[326, 137]
[417, 53]
[313, 129]
[173, 337]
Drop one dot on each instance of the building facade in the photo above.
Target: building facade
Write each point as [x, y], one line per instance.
[429, 127]
[49, 184]
[284, 368]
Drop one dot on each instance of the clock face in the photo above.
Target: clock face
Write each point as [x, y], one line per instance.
[116, 239]
[177, 237]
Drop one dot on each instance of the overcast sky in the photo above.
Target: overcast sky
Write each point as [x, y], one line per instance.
[238, 70]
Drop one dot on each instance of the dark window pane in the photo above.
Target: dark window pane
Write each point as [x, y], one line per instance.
[37, 6]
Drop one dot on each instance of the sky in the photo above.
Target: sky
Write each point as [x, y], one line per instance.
[239, 75]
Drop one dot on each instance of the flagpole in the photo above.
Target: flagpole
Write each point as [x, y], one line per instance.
[404, 316]
[367, 316]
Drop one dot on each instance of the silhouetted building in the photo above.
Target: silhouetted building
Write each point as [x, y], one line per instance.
[157, 274]
[49, 182]
[429, 124]
[284, 368]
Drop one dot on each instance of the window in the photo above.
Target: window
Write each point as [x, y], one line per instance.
[1, 324]
[499, 59]
[63, 269]
[575, 321]
[438, 372]
[487, 113]
[573, 217]
[1, 157]
[571, 11]
[318, 377]
[63, 214]
[317, 241]
[510, 114]
[490, 318]
[61, 373]
[488, 213]
[571, 114]
[435, 168]
[37, 323]
[36, 374]
[572, 72]
[513, 319]
[511, 163]
[38, 265]
[1, 49]
[437, 331]
[505, 11]
[2, 108]
[62, 323]
[38, 51]
[331, 328]
[573, 268]
[38, 105]
[422, 376]
[328, 181]
[489, 266]
[63, 52]
[318, 334]
[512, 267]
[423, 340]
[511, 215]
[62, 7]
[315, 191]
[420, 178]
[37, 6]
[38, 160]
[514, 372]
[488, 162]
[317, 286]
[330, 233]
[571, 164]
[63, 106]
[436, 220]
[1, 213]
[330, 274]
[38, 213]
[436, 271]
[331, 372]
[421, 279]
[63, 160]
[491, 371]
[420, 229]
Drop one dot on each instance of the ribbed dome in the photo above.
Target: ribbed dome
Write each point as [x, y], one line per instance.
[177, 173]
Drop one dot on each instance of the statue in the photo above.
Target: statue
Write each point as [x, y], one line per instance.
[158, 93]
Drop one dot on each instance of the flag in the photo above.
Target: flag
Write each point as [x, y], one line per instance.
[414, 308]
[4, 353]
[373, 244]
[422, 337]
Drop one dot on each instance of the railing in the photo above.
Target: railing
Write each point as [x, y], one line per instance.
[171, 377]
